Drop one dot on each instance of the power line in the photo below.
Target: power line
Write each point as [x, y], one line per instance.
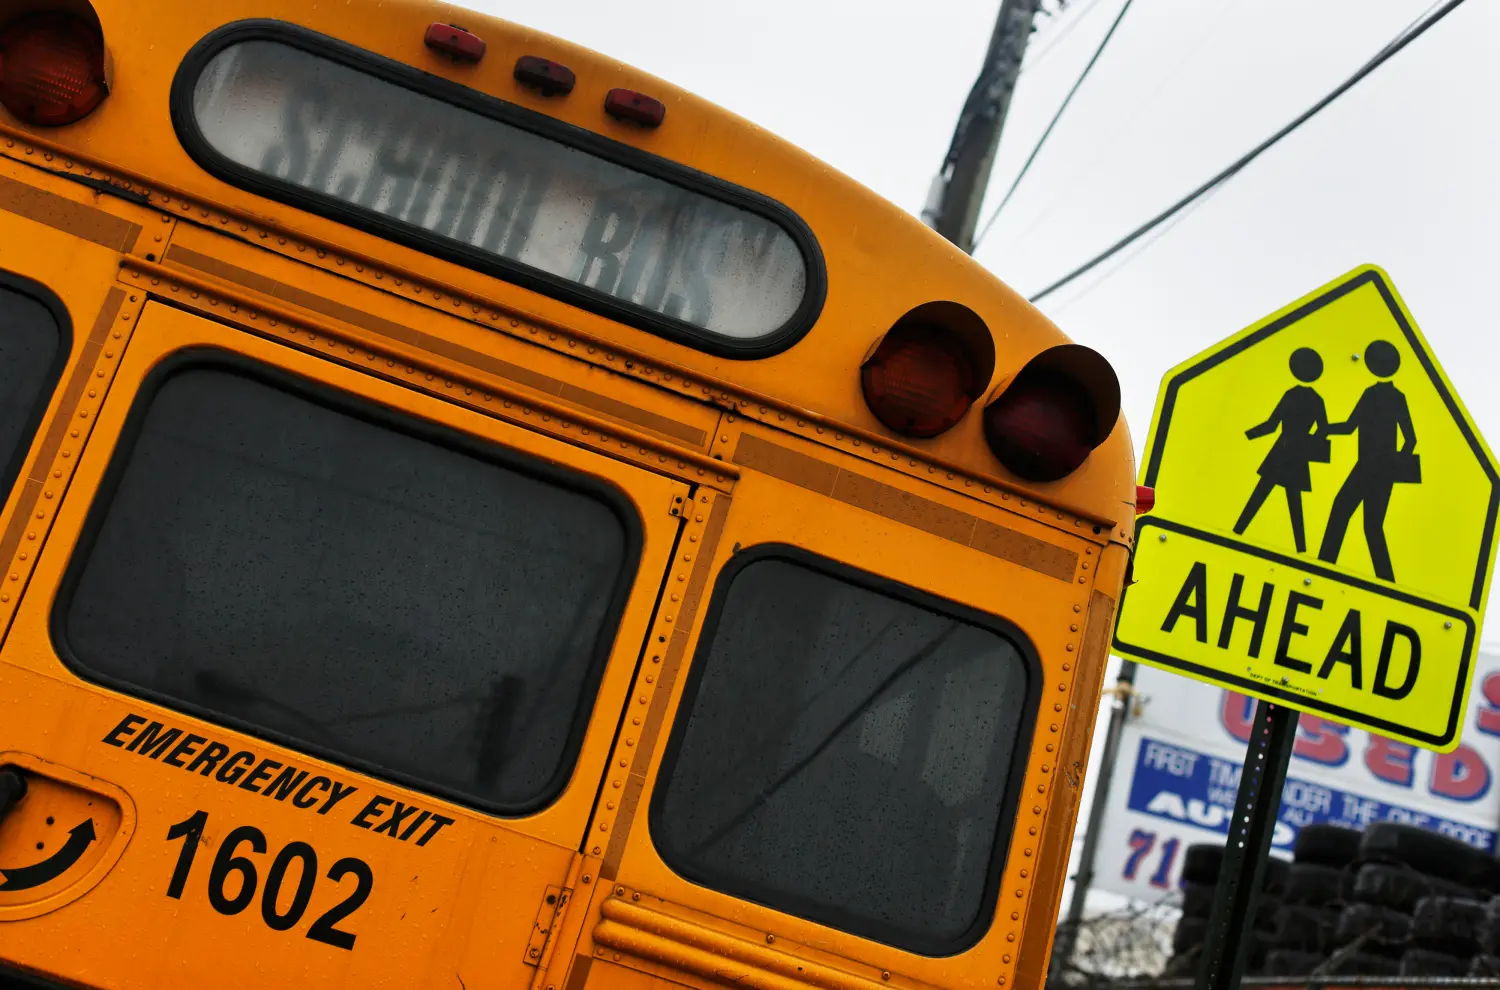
[1059, 34]
[1137, 249]
[1123, 123]
[1016, 182]
[1403, 39]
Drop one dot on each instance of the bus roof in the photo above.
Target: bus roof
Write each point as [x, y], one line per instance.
[880, 261]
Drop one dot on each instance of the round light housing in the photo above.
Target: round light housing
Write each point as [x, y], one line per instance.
[920, 381]
[1053, 414]
[51, 68]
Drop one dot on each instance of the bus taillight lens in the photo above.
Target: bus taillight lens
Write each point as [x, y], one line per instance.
[51, 68]
[1053, 414]
[920, 381]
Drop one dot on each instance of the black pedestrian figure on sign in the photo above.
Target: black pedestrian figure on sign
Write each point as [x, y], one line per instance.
[1302, 417]
[1380, 412]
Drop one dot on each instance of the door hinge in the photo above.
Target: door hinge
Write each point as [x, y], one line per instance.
[548, 917]
[681, 496]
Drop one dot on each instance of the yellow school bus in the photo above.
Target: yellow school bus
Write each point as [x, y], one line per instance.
[477, 516]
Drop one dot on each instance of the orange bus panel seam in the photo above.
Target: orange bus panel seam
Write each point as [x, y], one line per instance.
[188, 258]
[60, 421]
[907, 508]
[60, 213]
[666, 679]
[704, 952]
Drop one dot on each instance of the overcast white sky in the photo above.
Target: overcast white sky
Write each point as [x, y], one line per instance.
[1403, 171]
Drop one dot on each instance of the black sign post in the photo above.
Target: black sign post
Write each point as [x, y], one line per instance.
[1231, 920]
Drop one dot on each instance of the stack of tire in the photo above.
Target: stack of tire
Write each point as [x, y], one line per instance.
[1201, 865]
[1317, 887]
[1395, 900]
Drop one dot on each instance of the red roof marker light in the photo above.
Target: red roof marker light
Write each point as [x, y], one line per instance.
[544, 75]
[454, 42]
[637, 108]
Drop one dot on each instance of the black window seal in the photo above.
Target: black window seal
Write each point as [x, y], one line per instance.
[1009, 809]
[408, 424]
[10, 470]
[425, 84]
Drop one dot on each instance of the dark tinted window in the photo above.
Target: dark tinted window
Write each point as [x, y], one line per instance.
[30, 346]
[384, 598]
[848, 755]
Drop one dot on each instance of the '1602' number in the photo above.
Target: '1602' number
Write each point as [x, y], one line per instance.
[228, 862]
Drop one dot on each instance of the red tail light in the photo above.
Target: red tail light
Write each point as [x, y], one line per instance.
[1145, 499]
[51, 68]
[920, 381]
[1054, 413]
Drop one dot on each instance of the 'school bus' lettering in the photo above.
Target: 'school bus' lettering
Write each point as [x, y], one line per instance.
[356, 139]
[398, 580]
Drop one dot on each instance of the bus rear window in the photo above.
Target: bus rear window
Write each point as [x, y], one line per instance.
[361, 587]
[340, 131]
[849, 753]
[30, 349]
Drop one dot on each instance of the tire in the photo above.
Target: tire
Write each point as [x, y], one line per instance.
[1198, 900]
[1388, 930]
[1289, 962]
[1304, 929]
[1429, 852]
[1489, 929]
[1364, 964]
[1190, 935]
[1400, 887]
[1180, 967]
[1448, 924]
[1314, 885]
[1273, 881]
[1326, 845]
[1425, 962]
[1201, 862]
[1485, 965]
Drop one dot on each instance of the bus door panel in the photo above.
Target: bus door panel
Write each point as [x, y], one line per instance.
[60, 250]
[315, 679]
[848, 780]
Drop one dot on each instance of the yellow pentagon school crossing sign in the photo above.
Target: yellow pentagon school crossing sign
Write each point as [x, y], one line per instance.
[1325, 519]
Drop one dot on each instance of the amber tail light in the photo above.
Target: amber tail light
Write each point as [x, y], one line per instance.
[51, 68]
[1053, 413]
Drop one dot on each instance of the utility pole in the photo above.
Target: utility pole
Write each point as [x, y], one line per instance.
[957, 192]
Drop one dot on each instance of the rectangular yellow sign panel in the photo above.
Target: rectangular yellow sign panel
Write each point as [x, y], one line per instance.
[1276, 627]
[1326, 519]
